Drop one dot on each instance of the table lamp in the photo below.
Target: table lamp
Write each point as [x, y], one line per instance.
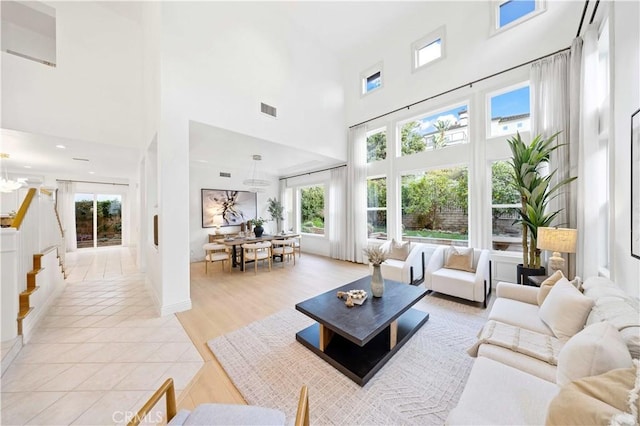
[557, 240]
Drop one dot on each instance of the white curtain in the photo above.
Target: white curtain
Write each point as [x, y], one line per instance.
[588, 179]
[337, 217]
[550, 107]
[282, 195]
[356, 211]
[67, 212]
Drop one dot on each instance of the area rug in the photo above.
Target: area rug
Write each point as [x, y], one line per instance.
[419, 385]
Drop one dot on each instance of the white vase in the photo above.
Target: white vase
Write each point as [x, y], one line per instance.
[377, 282]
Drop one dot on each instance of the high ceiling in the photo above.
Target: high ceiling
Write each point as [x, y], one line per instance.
[351, 24]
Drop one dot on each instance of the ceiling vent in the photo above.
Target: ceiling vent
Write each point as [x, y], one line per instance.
[268, 109]
[80, 159]
[225, 174]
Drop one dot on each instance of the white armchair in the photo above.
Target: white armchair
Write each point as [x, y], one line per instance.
[471, 285]
[411, 269]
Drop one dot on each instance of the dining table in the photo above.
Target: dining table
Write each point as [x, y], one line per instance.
[234, 242]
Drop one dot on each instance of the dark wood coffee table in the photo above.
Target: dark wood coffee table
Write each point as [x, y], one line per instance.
[358, 341]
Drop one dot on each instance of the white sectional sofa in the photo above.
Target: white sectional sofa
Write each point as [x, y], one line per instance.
[594, 366]
[411, 269]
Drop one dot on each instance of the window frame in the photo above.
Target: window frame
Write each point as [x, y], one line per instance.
[369, 72]
[426, 170]
[299, 189]
[503, 90]
[492, 206]
[466, 102]
[540, 7]
[382, 129]
[386, 208]
[438, 34]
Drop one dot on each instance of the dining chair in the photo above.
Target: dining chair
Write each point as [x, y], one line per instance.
[296, 244]
[255, 252]
[216, 252]
[284, 248]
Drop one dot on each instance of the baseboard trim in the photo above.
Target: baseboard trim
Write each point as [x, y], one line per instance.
[185, 305]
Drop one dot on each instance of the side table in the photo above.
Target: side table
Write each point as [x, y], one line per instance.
[536, 280]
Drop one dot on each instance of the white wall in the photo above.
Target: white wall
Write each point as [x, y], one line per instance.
[94, 92]
[224, 58]
[625, 100]
[471, 52]
[207, 177]
[218, 62]
[27, 42]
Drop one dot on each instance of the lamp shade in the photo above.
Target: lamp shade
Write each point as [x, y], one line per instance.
[561, 240]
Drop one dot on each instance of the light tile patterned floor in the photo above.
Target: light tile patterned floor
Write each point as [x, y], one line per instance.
[100, 351]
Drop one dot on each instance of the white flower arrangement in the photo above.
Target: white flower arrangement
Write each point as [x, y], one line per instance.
[376, 255]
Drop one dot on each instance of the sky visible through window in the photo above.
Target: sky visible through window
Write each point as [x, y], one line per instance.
[515, 9]
[512, 103]
[430, 52]
[373, 81]
[452, 116]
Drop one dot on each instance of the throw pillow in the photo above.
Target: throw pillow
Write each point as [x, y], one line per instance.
[459, 258]
[546, 285]
[565, 309]
[577, 283]
[606, 399]
[595, 350]
[399, 251]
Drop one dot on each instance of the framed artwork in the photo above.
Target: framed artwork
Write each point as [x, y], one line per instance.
[227, 207]
[635, 184]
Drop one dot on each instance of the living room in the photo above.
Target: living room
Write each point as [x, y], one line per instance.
[172, 70]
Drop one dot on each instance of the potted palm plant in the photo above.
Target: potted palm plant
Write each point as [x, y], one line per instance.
[536, 191]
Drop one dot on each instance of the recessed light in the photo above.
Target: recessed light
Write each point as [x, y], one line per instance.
[27, 167]
[61, 147]
[92, 173]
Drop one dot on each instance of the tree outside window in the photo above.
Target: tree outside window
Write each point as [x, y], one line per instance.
[434, 206]
[505, 205]
[377, 145]
[377, 208]
[435, 131]
[312, 209]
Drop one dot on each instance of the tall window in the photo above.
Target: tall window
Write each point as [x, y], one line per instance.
[377, 208]
[509, 111]
[434, 206]
[312, 209]
[435, 131]
[505, 205]
[377, 145]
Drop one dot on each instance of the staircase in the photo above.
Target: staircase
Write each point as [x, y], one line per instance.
[30, 281]
[25, 296]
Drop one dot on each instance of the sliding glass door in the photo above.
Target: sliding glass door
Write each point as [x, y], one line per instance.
[98, 220]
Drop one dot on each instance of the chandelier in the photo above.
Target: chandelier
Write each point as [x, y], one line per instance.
[255, 184]
[6, 184]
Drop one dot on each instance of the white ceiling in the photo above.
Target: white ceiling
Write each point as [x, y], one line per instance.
[107, 163]
[340, 26]
[230, 150]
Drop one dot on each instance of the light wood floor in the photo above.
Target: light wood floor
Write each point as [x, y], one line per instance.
[223, 302]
